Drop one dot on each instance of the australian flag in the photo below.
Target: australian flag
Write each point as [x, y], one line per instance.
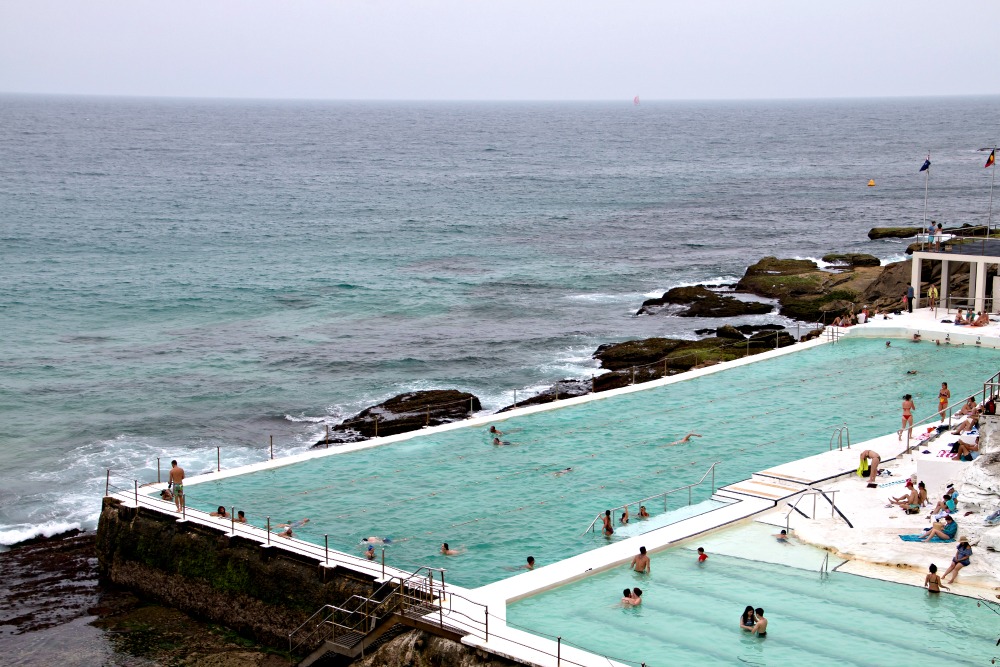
[927, 165]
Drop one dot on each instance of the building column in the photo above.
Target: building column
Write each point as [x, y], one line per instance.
[980, 295]
[969, 303]
[915, 281]
[943, 296]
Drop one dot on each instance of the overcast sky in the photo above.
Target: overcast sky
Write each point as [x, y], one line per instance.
[501, 50]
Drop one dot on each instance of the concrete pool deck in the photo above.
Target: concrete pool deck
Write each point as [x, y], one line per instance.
[765, 496]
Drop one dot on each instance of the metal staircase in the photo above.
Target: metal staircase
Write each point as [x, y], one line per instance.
[363, 624]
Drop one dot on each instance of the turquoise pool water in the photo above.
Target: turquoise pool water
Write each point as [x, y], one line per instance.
[500, 504]
[690, 614]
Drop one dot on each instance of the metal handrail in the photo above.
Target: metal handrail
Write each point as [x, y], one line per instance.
[711, 469]
[811, 492]
[937, 414]
[839, 434]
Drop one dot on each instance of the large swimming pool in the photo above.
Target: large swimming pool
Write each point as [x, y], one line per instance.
[690, 612]
[497, 505]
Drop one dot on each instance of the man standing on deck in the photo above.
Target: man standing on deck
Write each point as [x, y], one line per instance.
[909, 298]
[177, 483]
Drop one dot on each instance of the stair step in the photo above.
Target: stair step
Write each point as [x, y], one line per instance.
[347, 639]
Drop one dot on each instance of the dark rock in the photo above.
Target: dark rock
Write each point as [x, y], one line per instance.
[405, 412]
[773, 339]
[753, 328]
[852, 259]
[704, 332]
[616, 356]
[558, 391]
[729, 331]
[892, 232]
[703, 302]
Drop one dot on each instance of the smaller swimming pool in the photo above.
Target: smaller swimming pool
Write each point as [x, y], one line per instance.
[690, 612]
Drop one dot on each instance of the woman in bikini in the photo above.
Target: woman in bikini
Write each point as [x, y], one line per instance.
[933, 581]
[944, 396]
[908, 408]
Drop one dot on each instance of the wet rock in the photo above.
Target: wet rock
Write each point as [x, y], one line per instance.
[560, 390]
[852, 259]
[729, 331]
[699, 301]
[404, 412]
[418, 648]
[892, 232]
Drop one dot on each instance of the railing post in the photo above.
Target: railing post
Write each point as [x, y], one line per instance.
[326, 549]
[232, 519]
[218, 459]
[748, 349]
[633, 375]
[107, 483]
[136, 493]
[689, 495]
[376, 426]
[470, 405]
[383, 562]
[327, 441]
[487, 622]
[268, 530]
[558, 651]
[713, 479]
[272, 447]
[157, 469]
[427, 422]
[591, 383]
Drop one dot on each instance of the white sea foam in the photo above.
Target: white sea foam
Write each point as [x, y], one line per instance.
[899, 257]
[709, 282]
[315, 420]
[25, 531]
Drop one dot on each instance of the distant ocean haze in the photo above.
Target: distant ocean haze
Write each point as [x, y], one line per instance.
[179, 275]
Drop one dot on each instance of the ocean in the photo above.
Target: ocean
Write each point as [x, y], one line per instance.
[181, 275]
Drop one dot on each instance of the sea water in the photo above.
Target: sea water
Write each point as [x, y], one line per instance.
[183, 274]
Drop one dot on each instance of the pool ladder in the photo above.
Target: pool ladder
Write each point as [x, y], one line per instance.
[839, 433]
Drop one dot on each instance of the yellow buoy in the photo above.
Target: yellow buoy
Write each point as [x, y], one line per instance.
[871, 183]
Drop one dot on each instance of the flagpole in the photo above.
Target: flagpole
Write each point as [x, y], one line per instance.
[927, 179]
[993, 177]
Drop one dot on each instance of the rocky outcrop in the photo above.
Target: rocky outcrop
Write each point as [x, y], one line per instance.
[743, 329]
[852, 260]
[892, 232]
[699, 301]
[404, 412]
[806, 292]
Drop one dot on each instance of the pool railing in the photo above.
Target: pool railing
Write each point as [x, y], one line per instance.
[664, 495]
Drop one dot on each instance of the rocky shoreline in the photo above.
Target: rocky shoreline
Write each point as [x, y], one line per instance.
[797, 289]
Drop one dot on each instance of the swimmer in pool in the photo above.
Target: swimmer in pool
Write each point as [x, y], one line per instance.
[447, 551]
[686, 438]
[560, 473]
[495, 431]
[760, 627]
[643, 514]
[370, 552]
[500, 443]
[375, 539]
[782, 536]
[608, 529]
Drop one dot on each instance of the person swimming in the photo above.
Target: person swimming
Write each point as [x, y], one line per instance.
[374, 539]
[500, 443]
[560, 473]
[686, 438]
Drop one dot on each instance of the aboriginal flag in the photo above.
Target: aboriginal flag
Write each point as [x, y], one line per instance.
[991, 158]
[927, 165]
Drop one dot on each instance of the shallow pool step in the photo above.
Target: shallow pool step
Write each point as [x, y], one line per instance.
[765, 490]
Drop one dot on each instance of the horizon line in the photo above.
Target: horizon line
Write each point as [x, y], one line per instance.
[456, 100]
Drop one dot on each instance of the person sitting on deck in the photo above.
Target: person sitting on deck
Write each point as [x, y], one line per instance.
[981, 321]
[944, 533]
[960, 318]
[944, 507]
[972, 420]
[922, 494]
[909, 502]
[965, 449]
[968, 408]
